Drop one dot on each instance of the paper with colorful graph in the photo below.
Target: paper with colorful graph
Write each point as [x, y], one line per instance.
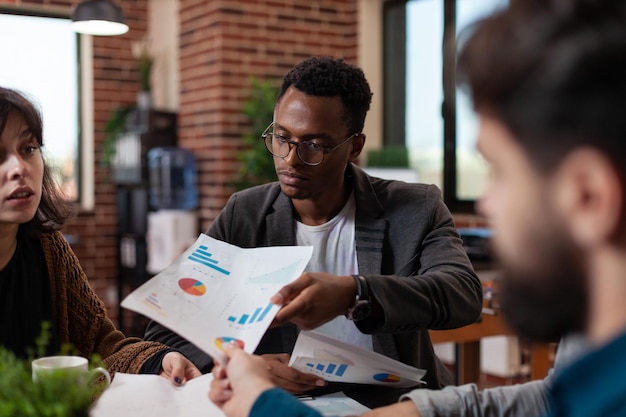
[215, 292]
[337, 361]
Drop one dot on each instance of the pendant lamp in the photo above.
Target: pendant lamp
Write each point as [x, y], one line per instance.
[99, 17]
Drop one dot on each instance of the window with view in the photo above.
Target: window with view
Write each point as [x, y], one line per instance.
[435, 119]
[41, 60]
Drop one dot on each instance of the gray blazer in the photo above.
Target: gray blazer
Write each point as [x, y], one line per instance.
[408, 250]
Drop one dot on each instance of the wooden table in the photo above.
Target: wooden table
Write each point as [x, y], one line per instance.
[467, 340]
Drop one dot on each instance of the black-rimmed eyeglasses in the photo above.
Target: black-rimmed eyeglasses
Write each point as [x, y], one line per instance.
[308, 151]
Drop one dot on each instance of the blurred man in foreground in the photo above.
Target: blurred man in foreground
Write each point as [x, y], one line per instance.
[548, 83]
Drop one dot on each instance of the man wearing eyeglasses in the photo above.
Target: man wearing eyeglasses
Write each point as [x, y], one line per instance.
[387, 264]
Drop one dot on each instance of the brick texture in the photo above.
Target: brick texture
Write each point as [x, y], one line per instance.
[222, 44]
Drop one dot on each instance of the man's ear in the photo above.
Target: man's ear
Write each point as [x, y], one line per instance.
[589, 195]
[357, 147]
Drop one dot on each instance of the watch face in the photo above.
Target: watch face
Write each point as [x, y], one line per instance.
[360, 311]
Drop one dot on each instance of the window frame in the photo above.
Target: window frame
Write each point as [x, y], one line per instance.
[394, 33]
[85, 140]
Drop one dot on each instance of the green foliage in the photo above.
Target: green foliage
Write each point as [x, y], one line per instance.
[114, 127]
[257, 164]
[145, 67]
[145, 60]
[388, 156]
[55, 395]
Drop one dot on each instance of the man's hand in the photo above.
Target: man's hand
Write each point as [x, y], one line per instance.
[289, 379]
[178, 369]
[401, 409]
[314, 299]
[238, 384]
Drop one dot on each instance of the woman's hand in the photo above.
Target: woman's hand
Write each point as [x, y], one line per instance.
[178, 369]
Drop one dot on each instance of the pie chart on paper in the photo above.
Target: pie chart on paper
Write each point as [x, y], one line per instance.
[192, 286]
[385, 377]
[222, 342]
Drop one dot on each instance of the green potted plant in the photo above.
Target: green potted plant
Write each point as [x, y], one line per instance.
[56, 395]
[388, 156]
[257, 164]
[116, 125]
[145, 60]
[113, 128]
[391, 162]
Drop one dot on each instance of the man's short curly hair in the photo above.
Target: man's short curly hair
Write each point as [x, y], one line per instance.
[331, 77]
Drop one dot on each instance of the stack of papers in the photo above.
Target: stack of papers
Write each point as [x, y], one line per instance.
[338, 361]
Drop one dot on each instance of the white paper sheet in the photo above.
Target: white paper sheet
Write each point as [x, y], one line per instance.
[336, 404]
[215, 293]
[154, 396]
[338, 361]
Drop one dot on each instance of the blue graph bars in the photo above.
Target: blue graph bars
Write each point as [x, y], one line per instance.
[331, 368]
[203, 256]
[258, 316]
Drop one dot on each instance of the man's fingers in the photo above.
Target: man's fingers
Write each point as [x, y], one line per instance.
[291, 290]
[220, 395]
[285, 314]
[289, 378]
[218, 372]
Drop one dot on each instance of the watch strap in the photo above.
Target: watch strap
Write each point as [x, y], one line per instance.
[361, 307]
[362, 289]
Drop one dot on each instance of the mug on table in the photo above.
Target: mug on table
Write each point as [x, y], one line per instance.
[68, 365]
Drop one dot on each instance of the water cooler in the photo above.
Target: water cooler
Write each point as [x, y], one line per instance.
[173, 197]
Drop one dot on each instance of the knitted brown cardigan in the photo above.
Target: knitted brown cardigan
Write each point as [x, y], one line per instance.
[81, 317]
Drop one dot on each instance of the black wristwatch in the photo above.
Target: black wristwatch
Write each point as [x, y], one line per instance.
[362, 302]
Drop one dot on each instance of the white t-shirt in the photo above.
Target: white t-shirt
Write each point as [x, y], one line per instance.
[334, 251]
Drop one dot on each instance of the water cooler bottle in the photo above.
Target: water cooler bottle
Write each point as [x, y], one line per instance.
[173, 197]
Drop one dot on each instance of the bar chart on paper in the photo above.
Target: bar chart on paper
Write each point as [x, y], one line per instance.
[338, 361]
[216, 292]
[349, 372]
[202, 256]
[258, 315]
[328, 368]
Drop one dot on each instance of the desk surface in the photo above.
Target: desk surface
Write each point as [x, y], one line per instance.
[467, 339]
[488, 325]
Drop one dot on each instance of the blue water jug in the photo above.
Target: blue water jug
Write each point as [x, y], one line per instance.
[173, 178]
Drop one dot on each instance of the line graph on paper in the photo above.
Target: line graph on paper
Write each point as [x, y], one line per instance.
[278, 276]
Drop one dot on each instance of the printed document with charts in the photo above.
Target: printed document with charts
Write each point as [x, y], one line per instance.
[338, 361]
[216, 293]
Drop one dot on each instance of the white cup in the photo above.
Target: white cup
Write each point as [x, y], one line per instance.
[76, 364]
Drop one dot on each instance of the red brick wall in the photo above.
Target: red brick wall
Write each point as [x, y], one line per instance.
[222, 43]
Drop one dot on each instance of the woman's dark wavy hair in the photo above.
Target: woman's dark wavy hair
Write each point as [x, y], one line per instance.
[554, 72]
[54, 208]
[332, 77]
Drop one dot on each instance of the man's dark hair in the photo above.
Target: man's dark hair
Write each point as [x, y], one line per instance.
[54, 209]
[555, 74]
[332, 77]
